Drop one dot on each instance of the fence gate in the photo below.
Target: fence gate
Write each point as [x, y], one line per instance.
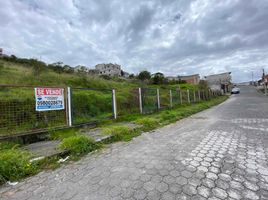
[30, 109]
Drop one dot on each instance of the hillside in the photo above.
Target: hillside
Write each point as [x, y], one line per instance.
[18, 74]
[17, 103]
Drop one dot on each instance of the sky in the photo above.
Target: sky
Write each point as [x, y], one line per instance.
[175, 37]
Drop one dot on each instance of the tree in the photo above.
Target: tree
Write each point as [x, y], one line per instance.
[131, 76]
[57, 67]
[159, 78]
[144, 75]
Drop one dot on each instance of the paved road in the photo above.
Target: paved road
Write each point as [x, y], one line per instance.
[217, 154]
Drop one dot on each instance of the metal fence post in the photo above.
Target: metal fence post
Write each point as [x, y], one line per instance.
[188, 96]
[69, 100]
[158, 98]
[140, 100]
[114, 104]
[170, 98]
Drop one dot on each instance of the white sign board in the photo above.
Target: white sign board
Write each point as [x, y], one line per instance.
[49, 99]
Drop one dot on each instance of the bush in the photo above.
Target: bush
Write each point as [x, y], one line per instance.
[79, 144]
[15, 164]
[119, 132]
[148, 123]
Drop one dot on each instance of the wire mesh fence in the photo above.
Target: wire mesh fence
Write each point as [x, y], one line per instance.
[164, 98]
[176, 97]
[127, 101]
[18, 112]
[149, 100]
[91, 105]
[184, 96]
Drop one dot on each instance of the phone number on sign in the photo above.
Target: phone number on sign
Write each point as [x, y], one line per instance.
[50, 103]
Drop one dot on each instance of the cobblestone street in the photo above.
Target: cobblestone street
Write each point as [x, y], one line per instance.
[221, 153]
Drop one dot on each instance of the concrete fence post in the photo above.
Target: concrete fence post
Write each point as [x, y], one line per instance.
[170, 98]
[140, 100]
[114, 104]
[194, 96]
[158, 98]
[199, 96]
[188, 96]
[69, 106]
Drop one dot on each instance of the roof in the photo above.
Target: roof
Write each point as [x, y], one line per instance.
[218, 74]
[188, 76]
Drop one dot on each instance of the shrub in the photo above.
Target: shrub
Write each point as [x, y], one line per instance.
[15, 164]
[148, 123]
[79, 144]
[119, 132]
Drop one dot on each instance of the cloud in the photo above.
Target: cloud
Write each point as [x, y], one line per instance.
[174, 37]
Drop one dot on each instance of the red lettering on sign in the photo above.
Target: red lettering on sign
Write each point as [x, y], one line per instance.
[49, 91]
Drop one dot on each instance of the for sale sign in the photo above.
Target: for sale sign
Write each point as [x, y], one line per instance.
[49, 99]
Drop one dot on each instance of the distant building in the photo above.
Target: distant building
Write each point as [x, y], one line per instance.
[220, 81]
[109, 69]
[191, 79]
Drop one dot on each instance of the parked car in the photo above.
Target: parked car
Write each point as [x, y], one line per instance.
[235, 90]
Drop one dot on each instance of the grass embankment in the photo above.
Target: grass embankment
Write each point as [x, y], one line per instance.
[15, 163]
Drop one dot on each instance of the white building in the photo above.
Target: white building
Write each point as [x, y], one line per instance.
[109, 69]
[220, 81]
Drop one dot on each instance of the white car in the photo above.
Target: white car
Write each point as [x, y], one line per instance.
[235, 90]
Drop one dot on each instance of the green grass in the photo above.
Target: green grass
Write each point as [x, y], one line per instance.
[120, 133]
[15, 164]
[62, 134]
[79, 145]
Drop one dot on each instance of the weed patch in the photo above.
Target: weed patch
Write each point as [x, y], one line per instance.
[15, 164]
[78, 145]
[62, 134]
[119, 132]
[148, 123]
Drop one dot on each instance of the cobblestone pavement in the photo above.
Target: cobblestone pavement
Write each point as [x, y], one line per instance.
[220, 153]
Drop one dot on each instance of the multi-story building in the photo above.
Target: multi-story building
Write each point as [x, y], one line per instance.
[109, 69]
[220, 81]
